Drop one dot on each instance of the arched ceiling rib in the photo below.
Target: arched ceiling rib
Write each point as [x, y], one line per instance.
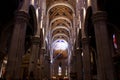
[61, 18]
[60, 11]
[60, 27]
[60, 3]
[60, 14]
[62, 31]
[60, 36]
[59, 24]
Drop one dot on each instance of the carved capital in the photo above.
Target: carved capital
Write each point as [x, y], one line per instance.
[78, 50]
[36, 40]
[21, 16]
[99, 16]
[85, 41]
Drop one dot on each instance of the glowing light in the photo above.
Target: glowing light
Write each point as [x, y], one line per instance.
[77, 1]
[5, 61]
[82, 54]
[89, 2]
[80, 25]
[84, 13]
[37, 13]
[32, 2]
[43, 31]
[66, 72]
[51, 61]
[114, 41]
[41, 20]
[59, 70]
[54, 77]
[65, 77]
[60, 45]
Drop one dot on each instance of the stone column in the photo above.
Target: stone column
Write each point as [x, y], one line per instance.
[41, 70]
[47, 67]
[73, 74]
[86, 60]
[79, 69]
[16, 49]
[33, 65]
[5, 36]
[105, 65]
[1, 58]
[1, 64]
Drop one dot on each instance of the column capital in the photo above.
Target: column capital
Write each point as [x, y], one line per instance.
[84, 41]
[99, 16]
[35, 40]
[21, 16]
[78, 50]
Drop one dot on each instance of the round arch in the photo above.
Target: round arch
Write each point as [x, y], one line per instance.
[88, 20]
[64, 18]
[57, 4]
[61, 34]
[61, 21]
[58, 27]
[33, 19]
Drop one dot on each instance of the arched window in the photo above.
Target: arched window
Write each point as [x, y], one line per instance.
[114, 41]
[59, 70]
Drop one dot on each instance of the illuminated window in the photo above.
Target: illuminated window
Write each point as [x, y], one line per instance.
[59, 70]
[114, 41]
[66, 72]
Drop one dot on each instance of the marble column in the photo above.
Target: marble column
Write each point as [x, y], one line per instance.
[33, 65]
[86, 60]
[79, 69]
[16, 49]
[105, 64]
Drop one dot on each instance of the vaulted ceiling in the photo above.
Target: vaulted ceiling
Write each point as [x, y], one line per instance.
[61, 14]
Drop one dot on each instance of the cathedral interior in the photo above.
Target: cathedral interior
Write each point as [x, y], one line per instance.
[59, 40]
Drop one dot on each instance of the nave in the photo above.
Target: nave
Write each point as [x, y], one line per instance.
[59, 40]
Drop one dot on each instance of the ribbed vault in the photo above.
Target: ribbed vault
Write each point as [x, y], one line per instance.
[60, 19]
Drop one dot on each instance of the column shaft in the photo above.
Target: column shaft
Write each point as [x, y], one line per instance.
[79, 68]
[73, 75]
[17, 46]
[47, 66]
[86, 60]
[105, 65]
[33, 66]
